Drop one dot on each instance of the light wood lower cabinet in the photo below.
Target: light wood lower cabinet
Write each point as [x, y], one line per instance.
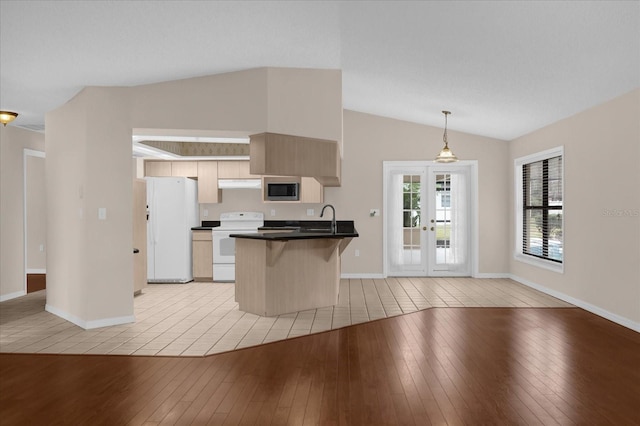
[275, 277]
[202, 255]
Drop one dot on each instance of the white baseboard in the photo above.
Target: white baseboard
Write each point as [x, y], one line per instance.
[88, 325]
[492, 275]
[108, 322]
[362, 276]
[12, 295]
[625, 322]
[382, 276]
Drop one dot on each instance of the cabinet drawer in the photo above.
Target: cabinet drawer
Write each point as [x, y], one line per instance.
[202, 236]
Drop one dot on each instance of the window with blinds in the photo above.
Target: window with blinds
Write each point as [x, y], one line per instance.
[542, 209]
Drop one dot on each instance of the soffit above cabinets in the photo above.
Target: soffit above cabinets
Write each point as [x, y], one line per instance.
[190, 144]
[200, 149]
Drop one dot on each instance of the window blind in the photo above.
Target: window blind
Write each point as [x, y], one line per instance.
[542, 225]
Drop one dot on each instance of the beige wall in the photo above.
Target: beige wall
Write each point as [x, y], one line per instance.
[13, 141]
[289, 109]
[234, 101]
[36, 213]
[602, 174]
[88, 166]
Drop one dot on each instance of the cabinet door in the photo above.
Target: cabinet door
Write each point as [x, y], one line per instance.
[311, 191]
[157, 168]
[184, 168]
[202, 256]
[234, 170]
[208, 191]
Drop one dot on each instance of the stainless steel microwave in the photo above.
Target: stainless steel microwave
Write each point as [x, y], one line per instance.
[283, 191]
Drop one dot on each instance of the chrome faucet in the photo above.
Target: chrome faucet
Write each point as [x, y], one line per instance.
[333, 220]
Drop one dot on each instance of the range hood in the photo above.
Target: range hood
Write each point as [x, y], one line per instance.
[239, 183]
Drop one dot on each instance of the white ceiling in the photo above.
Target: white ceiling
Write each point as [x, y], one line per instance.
[504, 68]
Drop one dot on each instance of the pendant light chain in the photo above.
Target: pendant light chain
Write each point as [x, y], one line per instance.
[444, 137]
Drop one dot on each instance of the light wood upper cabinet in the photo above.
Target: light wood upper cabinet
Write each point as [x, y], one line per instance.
[311, 191]
[157, 168]
[234, 170]
[184, 168]
[208, 191]
[275, 154]
[171, 168]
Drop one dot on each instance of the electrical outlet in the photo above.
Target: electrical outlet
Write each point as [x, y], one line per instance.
[311, 212]
[357, 253]
[273, 212]
[374, 212]
[205, 212]
[102, 213]
[41, 247]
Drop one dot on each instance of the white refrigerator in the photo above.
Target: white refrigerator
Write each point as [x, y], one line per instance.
[173, 210]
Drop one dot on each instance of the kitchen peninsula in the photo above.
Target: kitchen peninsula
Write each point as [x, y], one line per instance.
[291, 270]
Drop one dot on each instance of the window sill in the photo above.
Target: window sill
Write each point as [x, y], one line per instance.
[540, 263]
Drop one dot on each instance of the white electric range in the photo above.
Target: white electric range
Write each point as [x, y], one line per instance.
[224, 247]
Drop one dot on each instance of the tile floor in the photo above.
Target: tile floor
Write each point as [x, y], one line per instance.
[199, 319]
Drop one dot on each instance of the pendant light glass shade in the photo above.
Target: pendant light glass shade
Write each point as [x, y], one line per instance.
[7, 117]
[446, 155]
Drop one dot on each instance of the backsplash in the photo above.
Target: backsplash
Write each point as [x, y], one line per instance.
[251, 200]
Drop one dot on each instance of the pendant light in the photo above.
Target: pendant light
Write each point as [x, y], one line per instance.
[7, 117]
[446, 156]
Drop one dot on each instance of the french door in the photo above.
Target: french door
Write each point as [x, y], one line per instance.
[427, 218]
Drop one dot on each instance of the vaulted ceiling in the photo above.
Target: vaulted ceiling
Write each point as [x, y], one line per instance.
[504, 68]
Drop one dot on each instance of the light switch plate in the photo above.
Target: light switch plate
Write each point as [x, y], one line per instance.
[273, 212]
[205, 212]
[102, 213]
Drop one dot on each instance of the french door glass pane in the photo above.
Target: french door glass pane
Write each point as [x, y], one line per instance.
[411, 218]
[443, 218]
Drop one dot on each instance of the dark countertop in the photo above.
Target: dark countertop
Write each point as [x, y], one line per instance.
[303, 229]
[294, 235]
[206, 225]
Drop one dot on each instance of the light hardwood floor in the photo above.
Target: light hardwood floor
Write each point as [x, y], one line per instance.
[198, 319]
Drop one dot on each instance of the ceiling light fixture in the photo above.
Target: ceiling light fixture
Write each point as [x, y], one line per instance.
[7, 117]
[446, 156]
